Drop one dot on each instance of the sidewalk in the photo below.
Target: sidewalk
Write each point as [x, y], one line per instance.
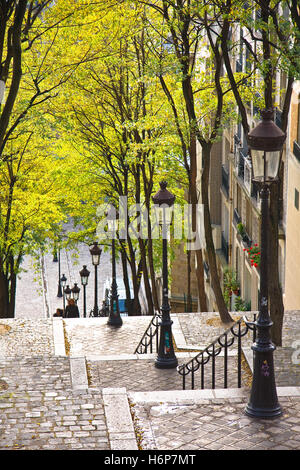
[76, 384]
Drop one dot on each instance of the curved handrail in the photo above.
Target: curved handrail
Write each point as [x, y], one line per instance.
[147, 339]
[214, 349]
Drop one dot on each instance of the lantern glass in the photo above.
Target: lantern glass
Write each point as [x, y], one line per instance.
[63, 281]
[265, 165]
[68, 292]
[95, 259]
[84, 280]
[75, 292]
[84, 275]
[96, 253]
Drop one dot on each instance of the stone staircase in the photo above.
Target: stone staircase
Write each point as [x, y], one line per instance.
[74, 384]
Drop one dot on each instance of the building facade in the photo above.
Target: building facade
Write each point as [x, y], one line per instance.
[235, 203]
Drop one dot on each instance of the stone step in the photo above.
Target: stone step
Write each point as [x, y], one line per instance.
[142, 375]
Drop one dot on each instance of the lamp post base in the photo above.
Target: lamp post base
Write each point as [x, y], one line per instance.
[115, 321]
[166, 358]
[166, 363]
[263, 402]
[263, 412]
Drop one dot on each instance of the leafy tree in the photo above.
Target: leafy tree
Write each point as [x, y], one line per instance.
[32, 200]
[111, 119]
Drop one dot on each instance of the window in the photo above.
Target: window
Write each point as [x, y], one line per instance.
[297, 199]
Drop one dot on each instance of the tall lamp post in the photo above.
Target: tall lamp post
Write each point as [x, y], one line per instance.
[265, 142]
[59, 291]
[114, 318]
[84, 275]
[96, 251]
[63, 281]
[166, 358]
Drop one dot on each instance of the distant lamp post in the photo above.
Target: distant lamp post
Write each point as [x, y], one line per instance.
[166, 358]
[265, 142]
[96, 251]
[59, 291]
[84, 275]
[68, 293]
[114, 318]
[75, 292]
[63, 281]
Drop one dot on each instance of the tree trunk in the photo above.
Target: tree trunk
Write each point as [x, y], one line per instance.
[136, 307]
[146, 277]
[152, 272]
[126, 282]
[4, 297]
[189, 303]
[210, 249]
[194, 201]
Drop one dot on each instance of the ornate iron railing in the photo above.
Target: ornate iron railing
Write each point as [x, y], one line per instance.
[209, 354]
[150, 337]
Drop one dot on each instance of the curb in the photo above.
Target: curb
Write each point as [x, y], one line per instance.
[58, 337]
[194, 397]
[119, 421]
[78, 371]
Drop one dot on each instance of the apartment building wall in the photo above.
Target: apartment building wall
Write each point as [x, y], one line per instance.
[240, 202]
[292, 253]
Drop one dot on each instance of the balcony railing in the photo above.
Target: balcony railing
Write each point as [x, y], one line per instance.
[225, 180]
[241, 163]
[247, 174]
[296, 150]
[236, 217]
[224, 247]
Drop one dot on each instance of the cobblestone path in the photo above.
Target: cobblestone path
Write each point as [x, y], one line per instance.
[40, 411]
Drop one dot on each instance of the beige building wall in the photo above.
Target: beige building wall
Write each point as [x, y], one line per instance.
[179, 286]
[291, 276]
[292, 272]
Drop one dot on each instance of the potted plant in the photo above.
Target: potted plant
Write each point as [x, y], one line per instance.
[254, 255]
[241, 229]
[239, 305]
[235, 285]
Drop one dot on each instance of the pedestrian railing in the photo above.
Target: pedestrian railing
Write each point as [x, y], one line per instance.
[230, 337]
[150, 337]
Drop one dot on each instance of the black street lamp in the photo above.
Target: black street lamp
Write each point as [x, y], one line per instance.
[114, 318]
[75, 292]
[84, 275]
[265, 142]
[63, 281]
[166, 358]
[96, 251]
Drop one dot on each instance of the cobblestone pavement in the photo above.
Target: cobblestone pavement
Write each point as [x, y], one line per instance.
[40, 411]
[93, 337]
[141, 375]
[218, 424]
